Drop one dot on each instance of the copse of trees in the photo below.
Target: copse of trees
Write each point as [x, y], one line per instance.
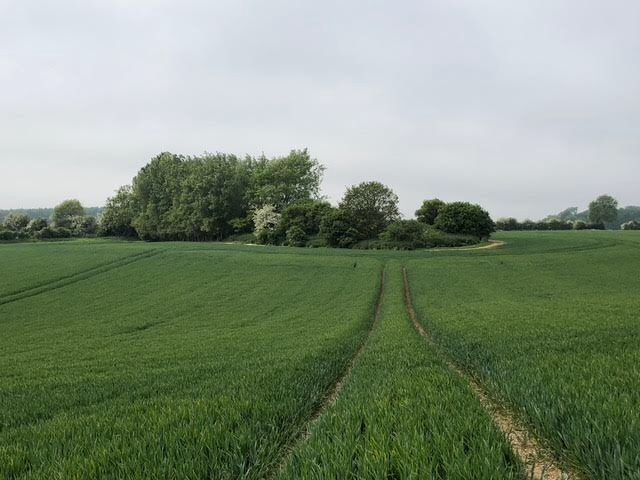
[69, 221]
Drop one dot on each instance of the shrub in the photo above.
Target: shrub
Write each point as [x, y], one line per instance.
[556, 224]
[36, 225]
[337, 231]
[53, 232]
[241, 225]
[16, 222]
[296, 237]
[407, 234]
[580, 225]
[466, 219]
[631, 225]
[266, 220]
[8, 235]
[434, 238]
[508, 224]
[307, 215]
[429, 211]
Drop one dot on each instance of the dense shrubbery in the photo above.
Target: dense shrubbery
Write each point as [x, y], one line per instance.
[632, 225]
[552, 224]
[466, 219]
[69, 221]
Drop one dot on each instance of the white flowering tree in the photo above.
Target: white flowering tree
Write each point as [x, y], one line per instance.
[266, 220]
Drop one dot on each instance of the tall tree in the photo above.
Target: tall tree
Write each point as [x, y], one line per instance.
[119, 214]
[286, 180]
[429, 210]
[603, 209]
[371, 207]
[65, 214]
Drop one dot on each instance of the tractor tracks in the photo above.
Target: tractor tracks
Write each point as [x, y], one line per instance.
[333, 396]
[537, 460]
[76, 277]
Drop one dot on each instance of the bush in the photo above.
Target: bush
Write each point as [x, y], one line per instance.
[296, 237]
[466, 219]
[53, 232]
[508, 224]
[434, 238]
[632, 225]
[337, 231]
[16, 223]
[405, 234]
[36, 225]
[8, 235]
[241, 225]
[266, 220]
[306, 215]
[580, 225]
[556, 224]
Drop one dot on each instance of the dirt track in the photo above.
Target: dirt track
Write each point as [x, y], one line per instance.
[537, 460]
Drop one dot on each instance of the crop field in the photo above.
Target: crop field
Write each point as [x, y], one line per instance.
[207, 360]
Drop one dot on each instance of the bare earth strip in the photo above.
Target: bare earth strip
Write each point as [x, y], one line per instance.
[538, 461]
[337, 389]
[492, 244]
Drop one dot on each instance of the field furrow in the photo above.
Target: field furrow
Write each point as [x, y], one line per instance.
[403, 414]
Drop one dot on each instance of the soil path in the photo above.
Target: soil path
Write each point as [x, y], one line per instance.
[537, 460]
[492, 244]
[333, 396]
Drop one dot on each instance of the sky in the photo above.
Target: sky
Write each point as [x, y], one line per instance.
[524, 107]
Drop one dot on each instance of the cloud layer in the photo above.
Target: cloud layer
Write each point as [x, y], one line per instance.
[524, 107]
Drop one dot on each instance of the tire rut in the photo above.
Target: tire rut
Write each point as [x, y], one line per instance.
[75, 278]
[333, 396]
[538, 461]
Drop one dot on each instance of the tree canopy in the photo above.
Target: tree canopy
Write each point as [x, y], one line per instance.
[603, 209]
[370, 208]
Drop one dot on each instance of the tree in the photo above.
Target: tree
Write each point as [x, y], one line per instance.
[631, 225]
[36, 225]
[508, 224]
[429, 210]
[603, 209]
[306, 215]
[337, 230]
[16, 223]
[370, 208]
[119, 214]
[287, 180]
[465, 218]
[266, 220]
[64, 213]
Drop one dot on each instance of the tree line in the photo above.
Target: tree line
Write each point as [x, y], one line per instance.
[603, 213]
[272, 201]
[275, 201]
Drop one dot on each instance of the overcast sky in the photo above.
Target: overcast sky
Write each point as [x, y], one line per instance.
[525, 107]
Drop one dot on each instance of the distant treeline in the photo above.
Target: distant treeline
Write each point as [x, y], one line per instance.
[603, 213]
[45, 213]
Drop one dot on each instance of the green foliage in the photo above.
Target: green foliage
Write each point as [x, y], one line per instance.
[296, 237]
[508, 224]
[36, 225]
[267, 221]
[631, 225]
[429, 211]
[604, 209]
[8, 234]
[286, 180]
[465, 218]
[119, 214]
[337, 230]
[52, 232]
[65, 213]
[16, 223]
[307, 215]
[370, 208]
[580, 225]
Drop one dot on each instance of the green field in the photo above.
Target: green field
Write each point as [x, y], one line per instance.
[207, 360]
